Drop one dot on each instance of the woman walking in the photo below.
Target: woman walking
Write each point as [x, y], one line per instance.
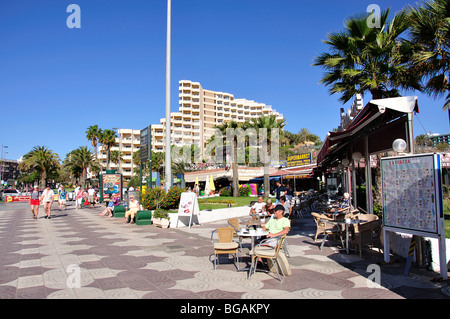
[34, 202]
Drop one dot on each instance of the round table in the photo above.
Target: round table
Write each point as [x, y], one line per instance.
[253, 235]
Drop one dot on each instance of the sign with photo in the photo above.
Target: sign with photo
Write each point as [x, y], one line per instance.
[188, 206]
[110, 184]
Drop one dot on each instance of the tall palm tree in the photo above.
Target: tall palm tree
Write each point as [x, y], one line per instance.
[116, 157]
[108, 140]
[372, 60]
[81, 159]
[234, 147]
[43, 160]
[93, 134]
[365, 59]
[430, 31]
[267, 124]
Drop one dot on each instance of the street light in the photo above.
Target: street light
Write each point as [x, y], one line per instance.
[168, 159]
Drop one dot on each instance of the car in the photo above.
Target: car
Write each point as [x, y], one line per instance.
[9, 192]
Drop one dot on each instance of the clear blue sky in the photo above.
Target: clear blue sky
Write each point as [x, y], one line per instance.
[56, 81]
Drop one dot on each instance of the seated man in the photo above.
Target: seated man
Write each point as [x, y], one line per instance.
[345, 204]
[287, 206]
[269, 208]
[277, 226]
[257, 208]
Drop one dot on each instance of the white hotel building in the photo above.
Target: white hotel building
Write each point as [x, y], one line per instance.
[199, 112]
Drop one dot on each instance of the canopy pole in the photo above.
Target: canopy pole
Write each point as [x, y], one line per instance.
[355, 201]
[369, 199]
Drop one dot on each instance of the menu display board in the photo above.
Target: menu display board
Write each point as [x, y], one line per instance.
[411, 194]
[188, 206]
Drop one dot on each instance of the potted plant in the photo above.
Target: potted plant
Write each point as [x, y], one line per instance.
[161, 218]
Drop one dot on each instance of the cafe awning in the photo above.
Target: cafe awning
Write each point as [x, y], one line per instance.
[382, 121]
[372, 131]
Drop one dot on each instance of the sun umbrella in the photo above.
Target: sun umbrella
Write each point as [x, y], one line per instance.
[207, 186]
[211, 183]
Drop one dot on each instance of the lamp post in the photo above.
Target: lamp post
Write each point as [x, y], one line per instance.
[168, 160]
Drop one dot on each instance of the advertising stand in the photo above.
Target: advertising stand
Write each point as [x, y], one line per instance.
[412, 201]
[188, 207]
[110, 183]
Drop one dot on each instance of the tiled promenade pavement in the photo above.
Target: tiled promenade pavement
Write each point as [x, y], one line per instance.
[118, 260]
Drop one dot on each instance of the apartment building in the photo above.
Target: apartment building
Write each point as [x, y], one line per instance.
[200, 111]
[127, 142]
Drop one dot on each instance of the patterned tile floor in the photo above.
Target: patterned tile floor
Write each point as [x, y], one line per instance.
[79, 255]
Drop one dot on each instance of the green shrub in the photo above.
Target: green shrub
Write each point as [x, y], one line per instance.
[172, 198]
[244, 190]
[378, 210]
[224, 192]
[152, 198]
[161, 213]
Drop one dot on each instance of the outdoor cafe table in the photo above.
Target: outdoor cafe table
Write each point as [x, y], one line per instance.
[252, 235]
[346, 222]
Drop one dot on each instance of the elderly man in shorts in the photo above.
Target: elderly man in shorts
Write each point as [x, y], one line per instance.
[47, 199]
[91, 196]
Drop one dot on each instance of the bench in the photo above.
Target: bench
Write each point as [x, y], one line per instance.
[144, 217]
[119, 211]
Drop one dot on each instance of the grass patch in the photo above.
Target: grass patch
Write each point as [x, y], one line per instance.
[223, 201]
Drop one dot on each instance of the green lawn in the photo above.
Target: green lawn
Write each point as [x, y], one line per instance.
[222, 202]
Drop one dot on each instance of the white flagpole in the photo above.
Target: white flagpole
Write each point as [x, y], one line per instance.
[168, 160]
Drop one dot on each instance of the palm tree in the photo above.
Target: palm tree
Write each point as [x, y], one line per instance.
[366, 59]
[373, 60]
[234, 147]
[108, 140]
[430, 31]
[81, 159]
[93, 134]
[43, 160]
[267, 124]
[116, 157]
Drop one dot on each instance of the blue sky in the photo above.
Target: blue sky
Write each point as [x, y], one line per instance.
[56, 81]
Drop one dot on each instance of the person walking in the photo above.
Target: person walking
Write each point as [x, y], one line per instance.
[34, 202]
[79, 197]
[47, 198]
[91, 196]
[62, 198]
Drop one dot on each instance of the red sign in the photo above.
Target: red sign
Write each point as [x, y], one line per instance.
[10, 199]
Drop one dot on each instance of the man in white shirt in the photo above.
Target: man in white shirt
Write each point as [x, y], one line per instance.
[91, 196]
[257, 207]
[47, 199]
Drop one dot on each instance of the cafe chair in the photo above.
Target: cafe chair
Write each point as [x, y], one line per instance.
[234, 222]
[225, 244]
[320, 225]
[269, 253]
[366, 232]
